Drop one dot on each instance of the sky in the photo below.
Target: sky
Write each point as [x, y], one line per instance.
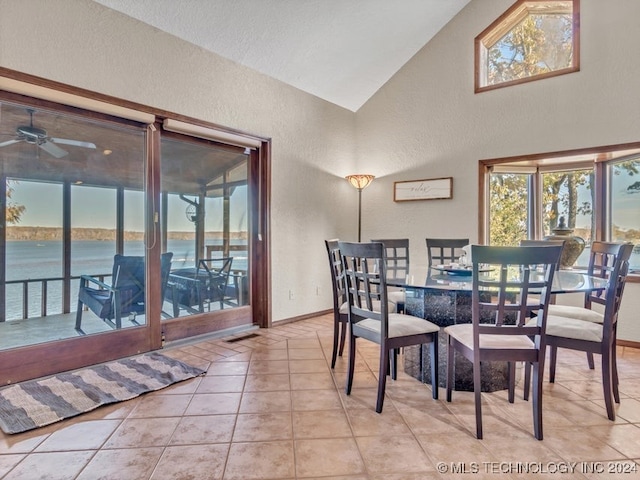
[94, 207]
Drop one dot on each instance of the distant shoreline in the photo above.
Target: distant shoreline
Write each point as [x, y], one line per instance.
[100, 234]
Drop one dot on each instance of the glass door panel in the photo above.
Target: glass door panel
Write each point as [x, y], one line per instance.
[134, 222]
[64, 176]
[205, 198]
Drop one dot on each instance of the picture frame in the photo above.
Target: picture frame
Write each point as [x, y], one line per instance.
[426, 189]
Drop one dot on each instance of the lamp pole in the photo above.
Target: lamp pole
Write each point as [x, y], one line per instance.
[360, 181]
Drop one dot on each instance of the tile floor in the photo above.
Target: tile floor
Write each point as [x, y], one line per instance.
[270, 407]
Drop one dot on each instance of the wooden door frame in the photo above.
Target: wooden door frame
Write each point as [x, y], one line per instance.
[38, 360]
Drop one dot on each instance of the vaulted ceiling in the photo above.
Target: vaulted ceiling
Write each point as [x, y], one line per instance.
[340, 50]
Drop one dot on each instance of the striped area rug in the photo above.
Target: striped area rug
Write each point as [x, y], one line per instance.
[36, 403]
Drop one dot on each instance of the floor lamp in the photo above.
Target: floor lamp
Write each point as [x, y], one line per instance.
[360, 182]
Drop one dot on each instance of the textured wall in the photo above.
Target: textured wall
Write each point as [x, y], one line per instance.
[426, 122]
[81, 43]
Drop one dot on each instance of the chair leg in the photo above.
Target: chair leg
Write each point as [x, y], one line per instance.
[434, 367]
[450, 369]
[394, 363]
[382, 377]
[336, 334]
[343, 336]
[527, 380]
[592, 365]
[537, 400]
[79, 315]
[553, 356]
[607, 386]
[614, 373]
[511, 372]
[477, 393]
[352, 361]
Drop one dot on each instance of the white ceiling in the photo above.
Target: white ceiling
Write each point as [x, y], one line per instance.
[340, 50]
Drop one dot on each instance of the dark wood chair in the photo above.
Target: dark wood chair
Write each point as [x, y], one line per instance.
[218, 271]
[125, 296]
[340, 306]
[543, 243]
[501, 329]
[442, 251]
[589, 330]
[365, 270]
[397, 254]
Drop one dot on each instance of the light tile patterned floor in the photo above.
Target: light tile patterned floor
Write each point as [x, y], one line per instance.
[270, 407]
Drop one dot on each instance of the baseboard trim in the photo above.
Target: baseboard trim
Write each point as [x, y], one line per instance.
[301, 317]
[627, 343]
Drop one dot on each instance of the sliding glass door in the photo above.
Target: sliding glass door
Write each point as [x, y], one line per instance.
[117, 235]
[205, 211]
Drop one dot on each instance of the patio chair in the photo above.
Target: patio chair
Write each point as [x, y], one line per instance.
[217, 271]
[126, 294]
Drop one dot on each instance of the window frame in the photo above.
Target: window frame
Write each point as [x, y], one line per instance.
[598, 158]
[504, 23]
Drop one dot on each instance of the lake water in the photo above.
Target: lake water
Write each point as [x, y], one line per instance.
[43, 259]
[34, 260]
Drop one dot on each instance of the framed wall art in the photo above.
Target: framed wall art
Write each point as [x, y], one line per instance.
[428, 189]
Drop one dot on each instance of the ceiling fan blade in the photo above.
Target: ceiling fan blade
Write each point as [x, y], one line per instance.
[9, 142]
[53, 149]
[76, 143]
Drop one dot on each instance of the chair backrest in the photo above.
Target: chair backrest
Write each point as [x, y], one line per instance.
[218, 270]
[128, 277]
[397, 253]
[365, 272]
[338, 284]
[521, 279]
[543, 243]
[220, 266]
[610, 261]
[442, 251]
[165, 269]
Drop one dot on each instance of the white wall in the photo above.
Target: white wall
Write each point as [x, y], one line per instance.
[426, 122]
[82, 43]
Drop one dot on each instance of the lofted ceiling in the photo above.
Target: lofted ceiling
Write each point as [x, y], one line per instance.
[342, 51]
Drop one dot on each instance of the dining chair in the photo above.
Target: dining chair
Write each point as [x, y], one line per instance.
[366, 275]
[397, 255]
[588, 329]
[340, 306]
[543, 243]
[442, 251]
[500, 329]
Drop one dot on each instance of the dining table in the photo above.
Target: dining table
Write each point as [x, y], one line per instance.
[443, 297]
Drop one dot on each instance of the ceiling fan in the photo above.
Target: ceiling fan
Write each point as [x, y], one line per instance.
[38, 136]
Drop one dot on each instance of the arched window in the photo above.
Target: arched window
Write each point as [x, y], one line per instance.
[534, 39]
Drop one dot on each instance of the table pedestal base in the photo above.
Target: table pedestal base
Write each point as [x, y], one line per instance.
[447, 307]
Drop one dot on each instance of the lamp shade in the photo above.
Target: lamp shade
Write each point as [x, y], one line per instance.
[360, 181]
